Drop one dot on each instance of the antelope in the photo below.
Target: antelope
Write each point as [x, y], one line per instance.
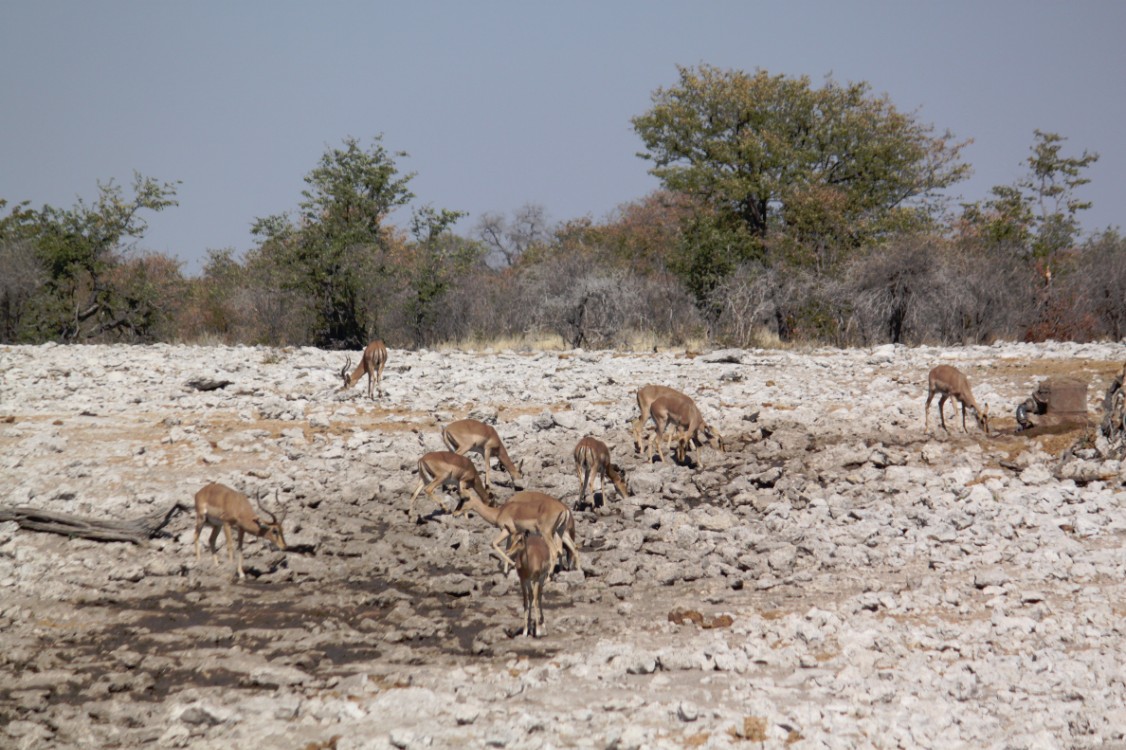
[371, 362]
[219, 506]
[593, 456]
[949, 382]
[529, 511]
[533, 565]
[443, 468]
[645, 397]
[467, 435]
[682, 413]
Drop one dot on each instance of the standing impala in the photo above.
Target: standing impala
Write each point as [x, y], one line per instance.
[528, 512]
[949, 382]
[533, 565]
[442, 468]
[592, 456]
[371, 362]
[682, 413]
[218, 506]
[466, 435]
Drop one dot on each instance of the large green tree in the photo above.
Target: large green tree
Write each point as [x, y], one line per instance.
[811, 172]
[335, 255]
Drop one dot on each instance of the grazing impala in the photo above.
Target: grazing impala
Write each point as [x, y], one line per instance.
[533, 565]
[442, 468]
[219, 506]
[646, 395]
[466, 435]
[529, 511]
[949, 382]
[593, 457]
[682, 413]
[371, 362]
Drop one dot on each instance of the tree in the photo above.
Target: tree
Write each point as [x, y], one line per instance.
[21, 274]
[1036, 217]
[1051, 183]
[80, 251]
[508, 241]
[439, 259]
[818, 171]
[338, 247]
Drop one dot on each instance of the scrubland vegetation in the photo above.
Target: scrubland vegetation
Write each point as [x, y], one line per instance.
[787, 213]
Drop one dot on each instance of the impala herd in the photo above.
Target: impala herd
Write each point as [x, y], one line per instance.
[537, 531]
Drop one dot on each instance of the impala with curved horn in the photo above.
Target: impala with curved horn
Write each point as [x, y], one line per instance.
[220, 507]
[371, 362]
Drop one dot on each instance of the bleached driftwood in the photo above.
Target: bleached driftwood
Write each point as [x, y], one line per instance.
[137, 531]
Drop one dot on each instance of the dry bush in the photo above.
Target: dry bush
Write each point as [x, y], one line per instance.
[925, 291]
[21, 278]
[595, 306]
[1097, 285]
[569, 296]
[770, 307]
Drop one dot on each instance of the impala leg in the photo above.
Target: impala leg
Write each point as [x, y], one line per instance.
[463, 497]
[421, 486]
[942, 411]
[211, 544]
[505, 559]
[526, 595]
[488, 460]
[198, 527]
[238, 555]
[537, 602]
[656, 438]
[927, 411]
[559, 541]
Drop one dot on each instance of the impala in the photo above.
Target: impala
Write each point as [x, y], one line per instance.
[466, 435]
[529, 512]
[443, 468]
[218, 506]
[371, 362]
[682, 413]
[646, 395]
[949, 382]
[533, 565]
[592, 456]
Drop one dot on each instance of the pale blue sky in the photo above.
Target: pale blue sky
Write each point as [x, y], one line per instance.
[501, 104]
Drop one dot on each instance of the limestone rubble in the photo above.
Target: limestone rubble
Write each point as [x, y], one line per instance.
[838, 578]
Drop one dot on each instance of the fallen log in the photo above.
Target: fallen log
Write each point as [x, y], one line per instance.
[137, 531]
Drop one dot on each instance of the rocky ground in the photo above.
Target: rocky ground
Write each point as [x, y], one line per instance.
[838, 578]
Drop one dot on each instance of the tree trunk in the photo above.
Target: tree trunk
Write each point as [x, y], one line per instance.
[137, 531]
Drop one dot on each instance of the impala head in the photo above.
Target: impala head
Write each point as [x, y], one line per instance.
[708, 435]
[624, 478]
[271, 530]
[982, 418]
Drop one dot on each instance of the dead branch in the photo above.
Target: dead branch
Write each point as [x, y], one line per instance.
[137, 531]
